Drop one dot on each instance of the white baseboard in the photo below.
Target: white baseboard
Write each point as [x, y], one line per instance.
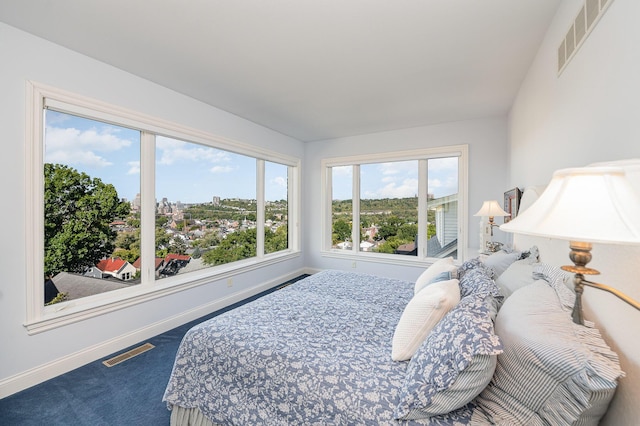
[44, 372]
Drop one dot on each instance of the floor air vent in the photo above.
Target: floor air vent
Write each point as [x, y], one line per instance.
[589, 14]
[128, 355]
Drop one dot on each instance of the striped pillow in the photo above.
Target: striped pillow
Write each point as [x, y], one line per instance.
[552, 371]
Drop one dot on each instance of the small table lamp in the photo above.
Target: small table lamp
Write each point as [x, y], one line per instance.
[489, 209]
[584, 206]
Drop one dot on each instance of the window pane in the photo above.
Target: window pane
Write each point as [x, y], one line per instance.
[341, 206]
[206, 207]
[442, 205]
[91, 175]
[276, 230]
[389, 207]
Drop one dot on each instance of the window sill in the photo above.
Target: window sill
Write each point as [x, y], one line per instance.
[391, 259]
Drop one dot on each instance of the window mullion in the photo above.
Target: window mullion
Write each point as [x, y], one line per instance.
[355, 200]
[293, 223]
[148, 208]
[423, 190]
[328, 207]
[260, 205]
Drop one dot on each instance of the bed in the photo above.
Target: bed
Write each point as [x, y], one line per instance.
[319, 352]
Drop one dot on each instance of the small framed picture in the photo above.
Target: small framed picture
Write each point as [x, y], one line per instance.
[512, 203]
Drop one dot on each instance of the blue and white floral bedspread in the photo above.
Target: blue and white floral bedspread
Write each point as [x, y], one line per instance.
[317, 352]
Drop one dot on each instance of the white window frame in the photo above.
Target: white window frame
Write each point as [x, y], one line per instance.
[421, 155]
[41, 318]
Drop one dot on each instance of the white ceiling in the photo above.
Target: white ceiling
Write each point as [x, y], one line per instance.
[311, 69]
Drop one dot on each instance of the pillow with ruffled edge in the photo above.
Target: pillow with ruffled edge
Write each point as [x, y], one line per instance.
[571, 374]
[454, 363]
[476, 281]
[500, 261]
[421, 315]
[473, 264]
[519, 274]
[533, 254]
[439, 266]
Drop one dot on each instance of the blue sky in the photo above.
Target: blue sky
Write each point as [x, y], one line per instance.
[185, 172]
[397, 179]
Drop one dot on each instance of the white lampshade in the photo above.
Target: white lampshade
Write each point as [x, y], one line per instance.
[589, 204]
[491, 209]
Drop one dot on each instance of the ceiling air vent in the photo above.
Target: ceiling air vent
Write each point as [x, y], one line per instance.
[588, 16]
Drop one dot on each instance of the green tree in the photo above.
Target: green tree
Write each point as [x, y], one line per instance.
[77, 212]
[275, 241]
[197, 253]
[408, 232]
[210, 239]
[389, 228]
[128, 255]
[125, 240]
[431, 230]
[177, 246]
[389, 246]
[236, 246]
[162, 239]
[341, 230]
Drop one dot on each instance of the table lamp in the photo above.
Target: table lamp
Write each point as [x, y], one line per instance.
[584, 206]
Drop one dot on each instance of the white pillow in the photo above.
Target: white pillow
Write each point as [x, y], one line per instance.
[519, 274]
[500, 261]
[438, 267]
[421, 314]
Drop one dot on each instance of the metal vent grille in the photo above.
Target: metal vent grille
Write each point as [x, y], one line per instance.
[562, 55]
[589, 14]
[593, 10]
[580, 26]
[128, 355]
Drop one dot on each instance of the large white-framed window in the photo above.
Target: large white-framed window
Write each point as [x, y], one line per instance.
[123, 207]
[397, 207]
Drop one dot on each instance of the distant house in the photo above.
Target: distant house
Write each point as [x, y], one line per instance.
[177, 257]
[78, 286]
[118, 225]
[408, 249]
[159, 264]
[174, 262]
[345, 245]
[445, 242]
[115, 267]
[366, 246]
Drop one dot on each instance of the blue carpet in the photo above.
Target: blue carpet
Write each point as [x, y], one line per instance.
[129, 393]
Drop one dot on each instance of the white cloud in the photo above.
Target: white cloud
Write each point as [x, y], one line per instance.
[86, 158]
[134, 168]
[172, 150]
[406, 188]
[82, 147]
[399, 167]
[222, 169]
[449, 164]
[279, 181]
[342, 171]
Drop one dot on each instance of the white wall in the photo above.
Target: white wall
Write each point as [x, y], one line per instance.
[588, 114]
[27, 359]
[487, 140]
